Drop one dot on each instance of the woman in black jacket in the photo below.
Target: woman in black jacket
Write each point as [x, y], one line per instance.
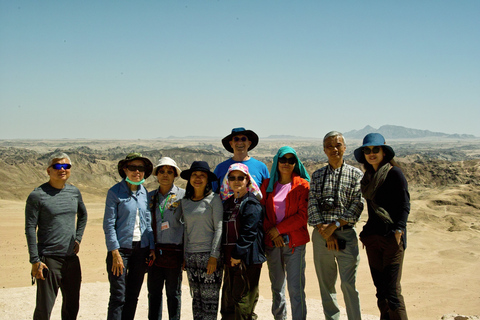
[242, 243]
[385, 234]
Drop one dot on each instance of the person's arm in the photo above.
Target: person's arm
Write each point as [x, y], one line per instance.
[149, 230]
[249, 220]
[312, 208]
[217, 216]
[401, 199]
[31, 221]
[109, 219]
[82, 217]
[148, 220]
[354, 198]
[32, 211]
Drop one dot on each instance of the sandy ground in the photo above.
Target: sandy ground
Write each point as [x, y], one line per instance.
[440, 270]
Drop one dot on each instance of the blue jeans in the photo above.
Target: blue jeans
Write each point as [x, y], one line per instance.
[328, 263]
[291, 261]
[124, 289]
[172, 279]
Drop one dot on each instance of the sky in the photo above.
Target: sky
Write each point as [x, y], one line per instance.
[151, 69]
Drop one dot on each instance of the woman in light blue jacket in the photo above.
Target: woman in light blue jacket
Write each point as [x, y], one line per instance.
[128, 235]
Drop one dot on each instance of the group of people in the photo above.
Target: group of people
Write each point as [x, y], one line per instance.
[223, 227]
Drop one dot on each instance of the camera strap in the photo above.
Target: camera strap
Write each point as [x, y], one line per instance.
[335, 188]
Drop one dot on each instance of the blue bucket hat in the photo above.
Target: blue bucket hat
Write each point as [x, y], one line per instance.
[252, 136]
[373, 140]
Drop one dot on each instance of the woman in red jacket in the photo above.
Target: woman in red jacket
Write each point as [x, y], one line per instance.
[285, 196]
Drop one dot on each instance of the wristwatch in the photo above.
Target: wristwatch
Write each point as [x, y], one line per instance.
[337, 224]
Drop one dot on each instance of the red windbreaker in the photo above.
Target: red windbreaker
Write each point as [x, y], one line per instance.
[295, 222]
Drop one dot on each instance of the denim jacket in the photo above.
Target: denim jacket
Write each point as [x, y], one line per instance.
[120, 213]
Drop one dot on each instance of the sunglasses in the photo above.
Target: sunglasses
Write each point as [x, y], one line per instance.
[133, 168]
[239, 178]
[291, 160]
[236, 139]
[373, 150]
[169, 172]
[60, 166]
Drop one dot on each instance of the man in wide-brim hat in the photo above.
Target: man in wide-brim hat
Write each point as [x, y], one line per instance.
[239, 142]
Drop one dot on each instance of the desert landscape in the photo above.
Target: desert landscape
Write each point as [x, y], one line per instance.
[440, 278]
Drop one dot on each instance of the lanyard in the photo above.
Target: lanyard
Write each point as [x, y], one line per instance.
[162, 209]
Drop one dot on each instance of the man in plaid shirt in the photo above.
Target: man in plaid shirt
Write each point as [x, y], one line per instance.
[334, 207]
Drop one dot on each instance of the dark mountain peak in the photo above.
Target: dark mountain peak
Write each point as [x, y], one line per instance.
[399, 132]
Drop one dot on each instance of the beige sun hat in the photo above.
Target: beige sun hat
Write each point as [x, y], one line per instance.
[167, 161]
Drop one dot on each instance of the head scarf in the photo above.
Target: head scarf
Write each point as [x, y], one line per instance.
[299, 168]
[225, 190]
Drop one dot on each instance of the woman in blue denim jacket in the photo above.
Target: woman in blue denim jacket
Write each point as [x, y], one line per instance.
[128, 235]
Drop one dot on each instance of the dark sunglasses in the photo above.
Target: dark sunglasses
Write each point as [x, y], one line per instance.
[291, 160]
[60, 166]
[239, 178]
[373, 150]
[169, 172]
[133, 168]
[236, 139]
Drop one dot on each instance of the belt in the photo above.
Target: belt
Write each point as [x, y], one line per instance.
[135, 244]
[345, 227]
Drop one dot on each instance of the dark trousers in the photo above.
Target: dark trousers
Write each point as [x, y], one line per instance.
[63, 273]
[240, 292]
[124, 289]
[385, 258]
[172, 278]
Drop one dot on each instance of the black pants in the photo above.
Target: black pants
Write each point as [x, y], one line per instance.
[172, 279]
[124, 289]
[385, 258]
[63, 273]
[240, 292]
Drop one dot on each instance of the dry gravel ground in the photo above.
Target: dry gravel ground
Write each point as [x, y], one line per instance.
[440, 271]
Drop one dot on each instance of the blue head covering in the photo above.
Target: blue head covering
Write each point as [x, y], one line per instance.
[299, 168]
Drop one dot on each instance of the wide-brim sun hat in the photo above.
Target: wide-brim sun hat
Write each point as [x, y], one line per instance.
[373, 140]
[167, 161]
[135, 156]
[198, 166]
[252, 136]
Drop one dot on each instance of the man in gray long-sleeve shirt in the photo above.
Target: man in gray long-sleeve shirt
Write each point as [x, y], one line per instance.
[50, 216]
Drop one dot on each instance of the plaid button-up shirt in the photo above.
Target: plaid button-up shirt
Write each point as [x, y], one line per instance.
[347, 195]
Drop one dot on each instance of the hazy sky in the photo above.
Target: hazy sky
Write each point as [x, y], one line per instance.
[148, 69]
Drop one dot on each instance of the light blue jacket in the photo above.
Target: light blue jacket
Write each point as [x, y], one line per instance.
[120, 213]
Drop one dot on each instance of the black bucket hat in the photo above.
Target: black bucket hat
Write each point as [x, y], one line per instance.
[373, 140]
[252, 136]
[199, 166]
[135, 156]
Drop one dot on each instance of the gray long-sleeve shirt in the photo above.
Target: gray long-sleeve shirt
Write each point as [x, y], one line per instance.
[203, 224]
[53, 212]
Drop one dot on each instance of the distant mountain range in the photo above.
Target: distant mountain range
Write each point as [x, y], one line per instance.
[388, 131]
[399, 132]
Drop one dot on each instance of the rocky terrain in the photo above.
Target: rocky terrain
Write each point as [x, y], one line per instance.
[440, 273]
